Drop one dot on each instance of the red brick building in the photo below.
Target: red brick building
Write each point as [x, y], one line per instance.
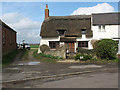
[8, 38]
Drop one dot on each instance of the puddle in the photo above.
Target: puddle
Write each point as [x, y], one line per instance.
[12, 68]
[29, 63]
[86, 66]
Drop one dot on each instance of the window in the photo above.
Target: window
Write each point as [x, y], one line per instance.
[83, 44]
[53, 44]
[83, 31]
[101, 28]
[61, 32]
[3, 37]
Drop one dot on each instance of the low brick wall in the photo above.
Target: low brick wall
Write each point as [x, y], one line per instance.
[58, 52]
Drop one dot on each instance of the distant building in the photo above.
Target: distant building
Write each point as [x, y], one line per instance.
[8, 38]
[78, 30]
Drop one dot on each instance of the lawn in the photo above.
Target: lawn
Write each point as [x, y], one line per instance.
[34, 45]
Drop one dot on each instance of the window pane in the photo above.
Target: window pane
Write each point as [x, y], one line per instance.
[83, 44]
[53, 44]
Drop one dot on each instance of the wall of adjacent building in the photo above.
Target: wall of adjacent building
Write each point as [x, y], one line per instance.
[10, 41]
[111, 31]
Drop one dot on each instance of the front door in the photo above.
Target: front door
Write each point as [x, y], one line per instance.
[70, 47]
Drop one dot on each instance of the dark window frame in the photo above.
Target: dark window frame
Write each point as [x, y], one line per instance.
[83, 31]
[83, 44]
[61, 32]
[53, 44]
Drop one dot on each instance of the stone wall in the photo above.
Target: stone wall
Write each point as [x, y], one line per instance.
[61, 52]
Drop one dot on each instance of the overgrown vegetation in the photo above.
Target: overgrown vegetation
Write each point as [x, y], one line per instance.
[46, 58]
[83, 57]
[107, 49]
[9, 58]
[104, 52]
[86, 51]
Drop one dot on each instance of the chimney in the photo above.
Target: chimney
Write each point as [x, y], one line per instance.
[46, 12]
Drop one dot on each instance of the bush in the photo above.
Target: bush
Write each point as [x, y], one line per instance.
[44, 48]
[107, 49]
[83, 57]
[50, 56]
[85, 51]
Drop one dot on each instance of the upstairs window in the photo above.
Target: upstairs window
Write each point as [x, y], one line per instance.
[101, 28]
[83, 31]
[61, 32]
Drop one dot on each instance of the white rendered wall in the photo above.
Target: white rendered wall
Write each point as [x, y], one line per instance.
[111, 31]
[47, 39]
[85, 39]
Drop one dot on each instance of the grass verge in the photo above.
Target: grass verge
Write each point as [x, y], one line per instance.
[100, 61]
[25, 54]
[8, 58]
[43, 58]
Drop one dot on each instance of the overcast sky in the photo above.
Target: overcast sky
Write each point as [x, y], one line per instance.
[26, 17]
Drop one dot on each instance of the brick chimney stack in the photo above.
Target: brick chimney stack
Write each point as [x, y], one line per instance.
[46, 12]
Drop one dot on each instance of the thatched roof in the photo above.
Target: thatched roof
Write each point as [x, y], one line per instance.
[65, 39]
[106, 18]
[71, 24]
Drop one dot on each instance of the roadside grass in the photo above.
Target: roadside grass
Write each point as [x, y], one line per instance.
[9, 58]
[100, 61]
[34, 46]
[25, 54]
[104, 61]
[43, 58]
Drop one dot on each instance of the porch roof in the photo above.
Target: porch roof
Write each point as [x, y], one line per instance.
[67, 39]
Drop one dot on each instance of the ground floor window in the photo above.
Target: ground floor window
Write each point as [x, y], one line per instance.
[53, 44]
[83, 44]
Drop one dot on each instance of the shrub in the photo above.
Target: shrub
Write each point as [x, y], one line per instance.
[50, 56]
[85, 51]
[44, 48]
[106, 49]
[83, 57]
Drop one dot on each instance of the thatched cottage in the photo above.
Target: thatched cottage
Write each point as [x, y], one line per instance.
[78, 30]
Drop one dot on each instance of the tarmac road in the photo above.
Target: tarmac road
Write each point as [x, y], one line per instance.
[98, 80]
